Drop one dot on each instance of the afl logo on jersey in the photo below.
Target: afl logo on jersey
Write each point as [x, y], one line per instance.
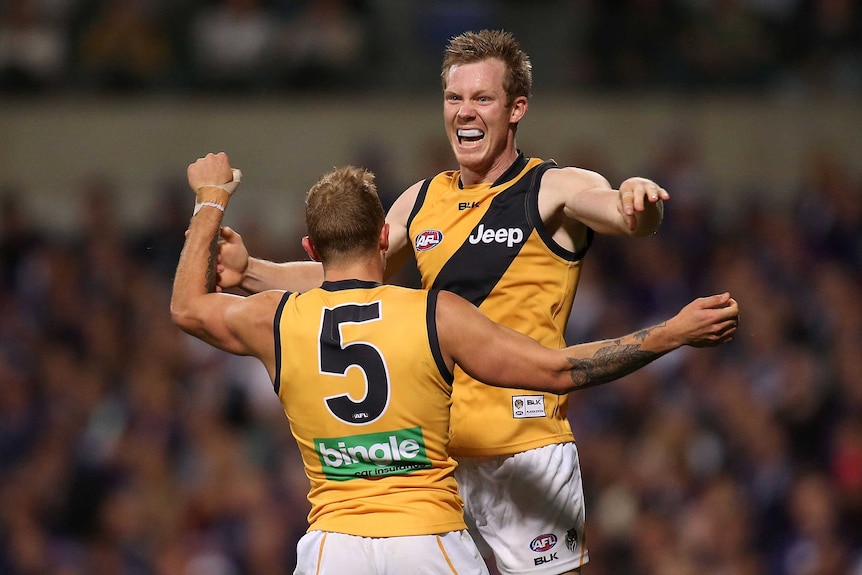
[427, 240]
[543, 542]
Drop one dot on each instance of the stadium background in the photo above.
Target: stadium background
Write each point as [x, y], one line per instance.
[128, 448]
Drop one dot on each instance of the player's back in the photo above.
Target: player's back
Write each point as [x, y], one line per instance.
[367, 394]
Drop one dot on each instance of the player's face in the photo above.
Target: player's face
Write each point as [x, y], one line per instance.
[478, 121]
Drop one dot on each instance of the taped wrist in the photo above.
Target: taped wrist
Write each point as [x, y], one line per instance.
[212, 198]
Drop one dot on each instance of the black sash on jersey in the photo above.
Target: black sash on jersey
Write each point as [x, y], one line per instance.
[474, 269]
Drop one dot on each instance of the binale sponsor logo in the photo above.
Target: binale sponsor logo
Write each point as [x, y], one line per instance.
[396, 452]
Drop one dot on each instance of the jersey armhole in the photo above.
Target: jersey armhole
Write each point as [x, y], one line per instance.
[433, 340]
[535, 218]
[417, 205]
[276, 330]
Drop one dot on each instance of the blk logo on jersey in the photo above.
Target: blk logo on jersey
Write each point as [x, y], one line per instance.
[467, 205]
[427, 240]
[545, 559]
[527, 406]
[508, 236]
[541, 544]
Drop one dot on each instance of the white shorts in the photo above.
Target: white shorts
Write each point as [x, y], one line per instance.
[327, 553]
[527, 508]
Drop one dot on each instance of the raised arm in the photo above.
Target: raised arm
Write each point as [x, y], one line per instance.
[500, 356]
[239, 325]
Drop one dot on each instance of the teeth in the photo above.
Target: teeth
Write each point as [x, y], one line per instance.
[470, 133]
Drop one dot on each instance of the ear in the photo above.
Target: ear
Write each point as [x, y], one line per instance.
[309, 248]
[519, 109]
[384, 238]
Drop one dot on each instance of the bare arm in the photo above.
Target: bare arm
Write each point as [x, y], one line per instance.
[237, 269]
[500, 356]
[264, 275]
[235, 324]
[583, 196]
[400, 249]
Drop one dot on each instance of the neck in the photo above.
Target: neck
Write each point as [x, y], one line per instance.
[367, 269]
[470, 177]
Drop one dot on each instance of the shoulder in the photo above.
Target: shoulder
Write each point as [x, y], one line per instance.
[403, 205]
[571, 179]
[561, 186]
[257, 308]
[453, 309]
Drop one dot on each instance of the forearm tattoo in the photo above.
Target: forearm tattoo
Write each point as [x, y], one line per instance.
[611, 361]
[212, 277]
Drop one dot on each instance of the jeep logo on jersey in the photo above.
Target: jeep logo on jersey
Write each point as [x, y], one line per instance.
[543, 542]
[427, 240]
[372, 454]
[508, 236]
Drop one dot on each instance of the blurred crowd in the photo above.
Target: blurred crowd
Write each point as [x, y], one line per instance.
[129, 448]
[277, 46]
[744, 459]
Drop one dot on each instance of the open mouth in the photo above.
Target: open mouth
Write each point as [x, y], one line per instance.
[470, 136]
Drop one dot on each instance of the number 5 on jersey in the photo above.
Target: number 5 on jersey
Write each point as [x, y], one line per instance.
[336, 359]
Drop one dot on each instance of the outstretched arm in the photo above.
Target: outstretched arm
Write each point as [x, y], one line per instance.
[705, 322]
[636, 209]
[497, 355]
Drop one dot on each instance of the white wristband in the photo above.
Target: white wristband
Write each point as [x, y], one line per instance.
[198, 206]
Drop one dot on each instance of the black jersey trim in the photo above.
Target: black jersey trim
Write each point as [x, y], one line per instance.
[535, 218]
[433, 339]
[517, 166]
[276, 330]
[341, 285]
[510, 174]
[417, 205]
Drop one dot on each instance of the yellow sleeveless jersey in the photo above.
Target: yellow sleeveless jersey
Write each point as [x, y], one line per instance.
[488, 244]
[367, 393]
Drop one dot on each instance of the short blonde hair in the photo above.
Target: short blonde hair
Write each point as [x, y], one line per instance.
[471, 47]
[343, 214]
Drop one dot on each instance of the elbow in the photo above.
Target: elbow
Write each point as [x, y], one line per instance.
[182, 318]
[575, 378]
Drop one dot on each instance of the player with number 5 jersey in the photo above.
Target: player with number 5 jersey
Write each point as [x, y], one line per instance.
[377, 422]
